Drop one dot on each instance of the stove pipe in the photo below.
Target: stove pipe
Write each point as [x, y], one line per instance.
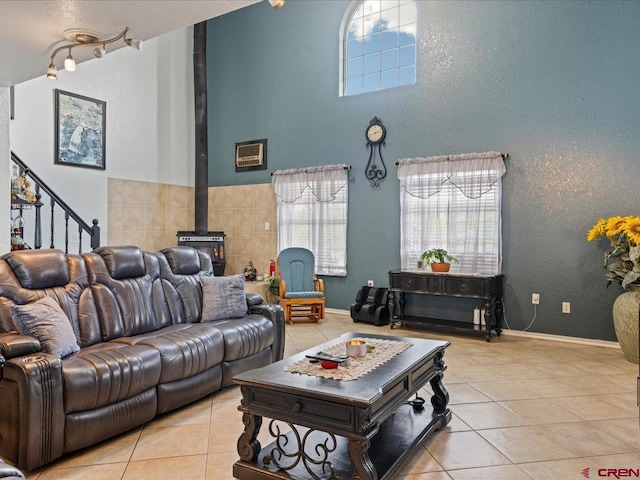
[201, 144]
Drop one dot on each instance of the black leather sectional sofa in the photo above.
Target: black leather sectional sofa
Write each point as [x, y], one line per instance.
[144, 348]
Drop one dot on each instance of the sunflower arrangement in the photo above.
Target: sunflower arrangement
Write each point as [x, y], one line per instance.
[622, 262]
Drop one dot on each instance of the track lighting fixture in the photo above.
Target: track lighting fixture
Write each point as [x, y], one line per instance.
[276, 3]
[88, 40]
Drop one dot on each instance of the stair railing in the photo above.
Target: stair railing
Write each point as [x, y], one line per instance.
[92, 230]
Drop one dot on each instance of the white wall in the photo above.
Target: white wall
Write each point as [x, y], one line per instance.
[5, 155]
[149, 133]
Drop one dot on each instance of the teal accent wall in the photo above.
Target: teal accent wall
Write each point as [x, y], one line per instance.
[555, 84]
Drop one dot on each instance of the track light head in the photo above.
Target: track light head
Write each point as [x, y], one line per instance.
[69, 63]
[134, 43]
[100, 52]
[52, 72]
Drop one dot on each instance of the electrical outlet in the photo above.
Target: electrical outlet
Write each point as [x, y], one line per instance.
[267, 226]
[566, 307]
[369, 283]
[535, 298]
[76, 238]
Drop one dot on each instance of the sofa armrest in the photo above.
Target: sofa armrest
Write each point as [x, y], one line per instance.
[14, 345]
[32, 415]
[275, 313]
[254, 299]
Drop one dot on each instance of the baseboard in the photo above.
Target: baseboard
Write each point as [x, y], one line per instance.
[520, 333]
[337, 311]
[562, 338]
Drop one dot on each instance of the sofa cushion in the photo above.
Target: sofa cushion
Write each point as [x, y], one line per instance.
[223, 297]
[39, 269]
[46, 321]
[185, 349]
[133, 303]
[183, 260]
[107, 373]
[123, 262]
[74, 297]
[245, 336]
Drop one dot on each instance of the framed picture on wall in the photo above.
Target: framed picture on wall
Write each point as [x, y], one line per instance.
[80, 124]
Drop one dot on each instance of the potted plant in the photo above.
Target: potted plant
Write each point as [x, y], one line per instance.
[273, 285]
[439, 259]
[622, 265]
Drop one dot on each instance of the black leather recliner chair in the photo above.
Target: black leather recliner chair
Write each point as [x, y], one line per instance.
[371, 306]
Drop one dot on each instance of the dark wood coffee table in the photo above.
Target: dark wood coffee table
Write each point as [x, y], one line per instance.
[332, 429]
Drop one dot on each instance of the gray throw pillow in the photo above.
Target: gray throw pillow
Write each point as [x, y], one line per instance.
[223, 297]
[46, 321]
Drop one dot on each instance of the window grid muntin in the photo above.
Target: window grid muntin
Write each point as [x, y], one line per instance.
[392, 26]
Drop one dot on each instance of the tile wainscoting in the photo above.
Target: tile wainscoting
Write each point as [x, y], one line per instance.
[149, 214]
[241, 211]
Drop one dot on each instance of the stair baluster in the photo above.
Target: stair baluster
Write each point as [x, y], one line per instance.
[37, 237]
[95, 238]
[53, 204]
[66, 232]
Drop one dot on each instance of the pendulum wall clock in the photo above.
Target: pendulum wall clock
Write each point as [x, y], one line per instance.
[376, 170]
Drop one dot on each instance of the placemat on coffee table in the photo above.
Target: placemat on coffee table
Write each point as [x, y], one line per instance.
[384, 351]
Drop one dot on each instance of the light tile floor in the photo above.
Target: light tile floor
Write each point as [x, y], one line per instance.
[522, 408]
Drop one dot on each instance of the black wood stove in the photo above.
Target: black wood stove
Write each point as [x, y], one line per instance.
[212, 243]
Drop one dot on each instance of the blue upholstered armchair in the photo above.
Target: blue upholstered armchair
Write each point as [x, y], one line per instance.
[301, 293]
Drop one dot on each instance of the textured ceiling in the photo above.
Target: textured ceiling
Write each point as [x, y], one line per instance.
[31, 30]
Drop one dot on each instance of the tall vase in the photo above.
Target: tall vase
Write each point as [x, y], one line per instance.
[626, 316]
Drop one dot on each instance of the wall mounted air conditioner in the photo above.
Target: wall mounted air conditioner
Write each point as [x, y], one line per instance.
[251, 155]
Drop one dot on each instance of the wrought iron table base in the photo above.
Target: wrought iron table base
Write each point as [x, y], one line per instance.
[304, 453]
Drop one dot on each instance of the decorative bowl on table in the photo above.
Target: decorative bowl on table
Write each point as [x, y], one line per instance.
[328, 364]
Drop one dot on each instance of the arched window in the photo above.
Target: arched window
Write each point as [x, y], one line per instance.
[377, 45]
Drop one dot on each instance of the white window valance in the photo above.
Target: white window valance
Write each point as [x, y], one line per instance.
[473, 174]
[323, 182]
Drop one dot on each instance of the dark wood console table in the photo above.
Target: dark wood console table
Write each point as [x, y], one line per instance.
[489, 288]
